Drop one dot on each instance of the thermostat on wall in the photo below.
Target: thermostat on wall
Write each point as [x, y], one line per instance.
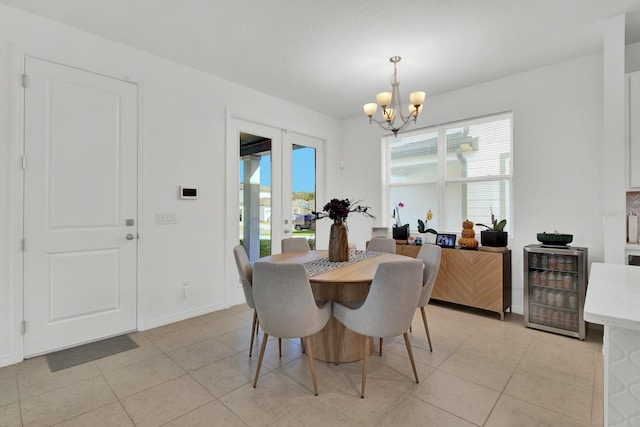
[190, 193]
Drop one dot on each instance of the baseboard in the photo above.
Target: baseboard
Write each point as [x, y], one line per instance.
[177, 317]
[7, 359]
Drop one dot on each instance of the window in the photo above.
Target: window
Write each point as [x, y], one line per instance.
[458, 170]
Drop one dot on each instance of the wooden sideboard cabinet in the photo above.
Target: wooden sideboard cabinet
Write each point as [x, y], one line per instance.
[471, 277]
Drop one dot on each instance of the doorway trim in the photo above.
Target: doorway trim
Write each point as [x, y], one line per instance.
[16, 193]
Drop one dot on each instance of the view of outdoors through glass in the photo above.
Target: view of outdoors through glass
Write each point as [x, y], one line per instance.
[303, 196]
[254, 212]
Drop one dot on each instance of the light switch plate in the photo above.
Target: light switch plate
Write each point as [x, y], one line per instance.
[166, 219]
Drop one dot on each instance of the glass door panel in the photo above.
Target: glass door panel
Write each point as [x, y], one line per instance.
[255, 196]
[303, 192]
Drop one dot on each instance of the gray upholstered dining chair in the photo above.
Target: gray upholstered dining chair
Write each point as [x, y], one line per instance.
[246, 276]
[286, 307]
[430, 256]
[388, 309]
[382, 244]
[294, 244]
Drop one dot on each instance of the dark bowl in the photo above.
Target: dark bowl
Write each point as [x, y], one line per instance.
[555, 239]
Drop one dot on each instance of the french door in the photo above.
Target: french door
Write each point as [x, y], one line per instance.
[278, 175]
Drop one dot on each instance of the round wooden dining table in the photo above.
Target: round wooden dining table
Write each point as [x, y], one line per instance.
[343, 284]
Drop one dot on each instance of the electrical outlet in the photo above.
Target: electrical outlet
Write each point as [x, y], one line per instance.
[187, 289]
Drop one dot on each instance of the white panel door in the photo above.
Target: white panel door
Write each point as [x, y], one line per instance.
[80, 188]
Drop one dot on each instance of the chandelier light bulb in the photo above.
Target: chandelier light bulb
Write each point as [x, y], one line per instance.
[370, 109]
[417, 98]
[384, 99]
[389, 114]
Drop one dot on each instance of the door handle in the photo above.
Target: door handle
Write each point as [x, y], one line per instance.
[130, 236]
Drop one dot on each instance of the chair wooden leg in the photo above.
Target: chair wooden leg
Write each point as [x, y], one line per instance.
[254, 329]
[365, 364]
[426, 327]
[311, 365]
[264, 345]
[302, 344]
[280, 346]
[413, 363]
[380, 349]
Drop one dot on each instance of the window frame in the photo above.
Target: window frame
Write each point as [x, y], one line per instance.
[441, 181]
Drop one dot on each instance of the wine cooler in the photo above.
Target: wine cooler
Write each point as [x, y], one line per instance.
[555, 283]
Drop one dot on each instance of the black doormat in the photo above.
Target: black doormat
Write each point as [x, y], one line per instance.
[86, 353]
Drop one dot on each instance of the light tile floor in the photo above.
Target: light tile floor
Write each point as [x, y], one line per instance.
[197, 372]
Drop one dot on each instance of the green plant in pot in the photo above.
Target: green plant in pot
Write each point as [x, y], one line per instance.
[422, 225]
[425, 230]
[494, 235]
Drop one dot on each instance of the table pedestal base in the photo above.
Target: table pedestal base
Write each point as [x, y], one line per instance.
[335, 335]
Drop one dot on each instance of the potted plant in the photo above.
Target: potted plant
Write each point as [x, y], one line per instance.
[422, 227]
[494, 235]
[400, 231]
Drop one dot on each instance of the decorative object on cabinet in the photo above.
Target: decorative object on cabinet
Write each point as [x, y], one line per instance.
[338, 211]
[555, 281]
[554, 239]
[400, 231]
[428, 235]
[494, 235]
[468, 239]
[446, 240]
[422, 225]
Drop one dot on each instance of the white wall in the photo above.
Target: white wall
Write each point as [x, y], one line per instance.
[557, 151]
[613, 152]
[632, 58]
[182, 127]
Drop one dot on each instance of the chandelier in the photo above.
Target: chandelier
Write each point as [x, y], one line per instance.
[391, 105]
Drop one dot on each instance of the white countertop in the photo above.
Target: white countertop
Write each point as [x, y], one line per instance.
[613, 295]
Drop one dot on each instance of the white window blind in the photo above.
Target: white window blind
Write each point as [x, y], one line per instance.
[413, 172]
[460, 171]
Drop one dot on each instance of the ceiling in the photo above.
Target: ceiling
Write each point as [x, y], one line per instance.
[332, 56]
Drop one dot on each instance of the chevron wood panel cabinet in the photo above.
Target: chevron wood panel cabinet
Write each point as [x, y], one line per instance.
[472, 278]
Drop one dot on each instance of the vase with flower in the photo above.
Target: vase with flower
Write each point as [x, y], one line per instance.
[428, 233]
[400, 231]
[338, 210]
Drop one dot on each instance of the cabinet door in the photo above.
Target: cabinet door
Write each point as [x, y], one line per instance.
[475, 279]
[440, 287]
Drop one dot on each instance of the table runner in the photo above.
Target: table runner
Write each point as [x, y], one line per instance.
[323, 265]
